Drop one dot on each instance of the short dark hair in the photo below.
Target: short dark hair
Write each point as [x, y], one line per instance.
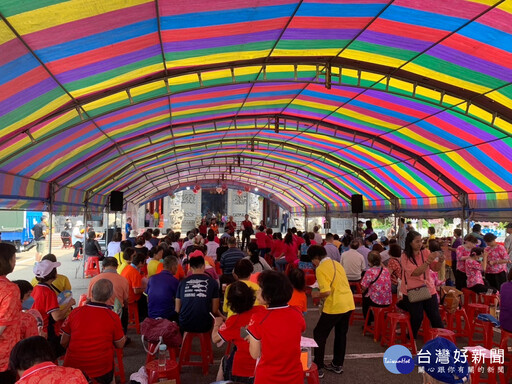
[170, 262]
[261, 228]
[24, 286]
[297, 278]
[128, 253]
[488, 237]
[29, 352]
[431, 230]
[117, 236]
[354, 244]
[374, 258]
[276, 288]
[50, 257]
[377, 247]
[139, 258]
[7, 252]
[102, 290]
[156, 232]
[329, 236]
[125, 244]
[232, 240]
[471, 239]
[477, 228]
[395, 250]
[110, 262]
[52, 275]
[243, 268]
[316, 252]
[196, 262]
[240, 297]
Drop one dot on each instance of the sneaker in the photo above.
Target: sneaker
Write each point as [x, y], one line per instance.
[321, 373]
[334, 368]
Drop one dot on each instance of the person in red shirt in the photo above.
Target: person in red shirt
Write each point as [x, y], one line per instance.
[289, 254]
[261, 241]
[137, 286]
[10, 311]
[45, 301]
[239, 366]
[247, 231]
[33, 359]
[230, 226]
[277, 346]
[203, 228]
[28, 323]
[90, 334]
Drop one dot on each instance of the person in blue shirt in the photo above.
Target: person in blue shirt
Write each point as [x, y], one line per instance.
[161, 291]
[128, 227]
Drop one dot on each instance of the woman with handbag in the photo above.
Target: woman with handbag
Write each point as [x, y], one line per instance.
[376, 285]
[417, 288]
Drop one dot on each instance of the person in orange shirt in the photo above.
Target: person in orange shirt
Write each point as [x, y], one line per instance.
[298, 280]
[137, 286]
[214, 226]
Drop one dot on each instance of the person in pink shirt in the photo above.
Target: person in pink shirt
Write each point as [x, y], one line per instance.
[475, 265]
[462, 253]
[415, 264]
[496, 271]
[376, 285]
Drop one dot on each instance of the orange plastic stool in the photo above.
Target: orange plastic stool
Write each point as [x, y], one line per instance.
[460, 330]
[311, 375]
[156, 373]
[92, 268]
[119, 365]
[469, 296]
[378, 317]
[133, 317]
[394, 320]
[206, 351]
[441, 332]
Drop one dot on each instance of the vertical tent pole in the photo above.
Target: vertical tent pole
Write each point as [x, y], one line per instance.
[86, 203]
[51, 217]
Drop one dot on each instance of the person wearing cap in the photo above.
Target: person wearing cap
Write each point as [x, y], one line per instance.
[45, 301]
[77, 239]
[497, 260]
[133, 237]
[90, 334]
[40, 230]
[61, 282]
[10, 311]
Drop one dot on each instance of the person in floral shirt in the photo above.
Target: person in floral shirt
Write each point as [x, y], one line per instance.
[376, 285]
[463, 253]
[475, 265]
[394, 266]
[496, 271]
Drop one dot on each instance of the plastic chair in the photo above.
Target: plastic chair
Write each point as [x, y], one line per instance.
[441, 332]
[394, 320]
[490, 300]
[378, 318]
[357, 316]
[206, 351]
[169, 372]
[469, 296]
[459, 316]
[119, 365]
[133, 317]
[92, 267]
[506, 336]
[311, 375]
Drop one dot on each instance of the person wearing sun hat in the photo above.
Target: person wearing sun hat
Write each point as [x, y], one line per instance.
[452, 368]
[46, 302]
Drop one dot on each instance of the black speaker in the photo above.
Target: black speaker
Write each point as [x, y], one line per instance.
[357, 203]
[116, 201]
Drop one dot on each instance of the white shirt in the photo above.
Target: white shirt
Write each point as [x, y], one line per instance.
[75, 234]
[364, 251]
[113, 248]
[354, 264]
[211, 248]
[148, 245]
[318, 239]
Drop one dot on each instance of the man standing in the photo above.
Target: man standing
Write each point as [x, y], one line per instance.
[40, 231]
[247, 231]
[228, 260]
[230, 226]
[363, 251]
[339, 303]
[121, 286]
[477, 232]
[90, 334]
[402, 233]
[77, 238]
[284, 221]
[197, 296]
[330, 248]
[128, 227]
[161, 291]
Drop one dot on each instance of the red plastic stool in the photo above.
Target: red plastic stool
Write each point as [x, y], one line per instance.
[357, 316]
[357, 287]
[494, 375]
[490, 300]
[119, 365]
[206, 351]
[469, 296]
[92, 268]
[485, 328]
[424, 331]
[475, 309]
[505, 337]
[133, 317]
[394, 320]
[460, 329]
[311, 375]
[169, 372]
[441, 332]
[377, 318]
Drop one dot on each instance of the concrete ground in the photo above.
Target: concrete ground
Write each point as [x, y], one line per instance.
[363, 362]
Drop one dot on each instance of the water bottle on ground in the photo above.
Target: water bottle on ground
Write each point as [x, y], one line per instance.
[162, 355]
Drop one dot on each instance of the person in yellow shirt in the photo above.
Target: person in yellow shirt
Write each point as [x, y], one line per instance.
[61, 283]
[155, 265]
[126, 258]
[241, 272]
[338, 305]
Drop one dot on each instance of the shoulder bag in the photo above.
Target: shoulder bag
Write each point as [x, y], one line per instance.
[374, 280]
[418, 294]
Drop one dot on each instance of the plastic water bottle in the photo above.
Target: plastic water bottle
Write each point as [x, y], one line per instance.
[162, 355]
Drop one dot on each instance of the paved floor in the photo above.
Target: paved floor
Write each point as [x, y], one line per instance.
[363, 362]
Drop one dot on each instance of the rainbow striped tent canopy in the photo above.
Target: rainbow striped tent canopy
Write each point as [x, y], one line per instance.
[407, 102]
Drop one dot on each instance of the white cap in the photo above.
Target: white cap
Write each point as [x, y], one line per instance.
[45, 267]
[79, 223]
